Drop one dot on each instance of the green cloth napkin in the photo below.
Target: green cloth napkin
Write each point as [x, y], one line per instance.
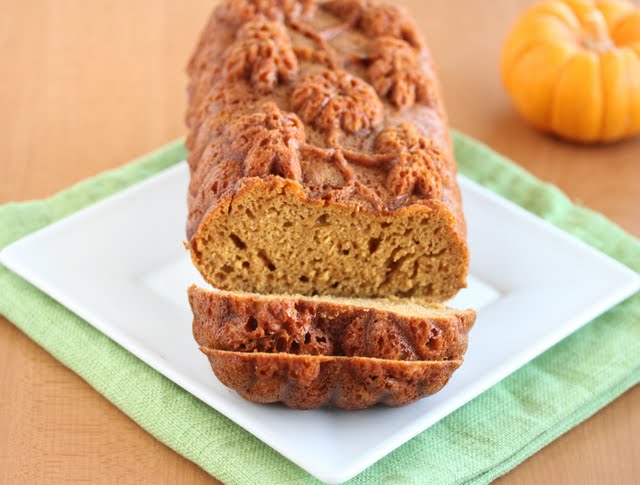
[477, 443]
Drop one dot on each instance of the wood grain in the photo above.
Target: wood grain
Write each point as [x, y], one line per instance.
[88, 85]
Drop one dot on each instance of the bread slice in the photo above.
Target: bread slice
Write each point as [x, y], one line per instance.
[313, 351]
[396, 329]
[307, 382]
[320, 156]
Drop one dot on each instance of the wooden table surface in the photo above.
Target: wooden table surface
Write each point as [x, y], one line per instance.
[87, 85]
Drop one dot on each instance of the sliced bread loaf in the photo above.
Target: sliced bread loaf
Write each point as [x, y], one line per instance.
[320, 154]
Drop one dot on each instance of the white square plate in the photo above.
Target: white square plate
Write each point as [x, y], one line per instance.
[121, 266]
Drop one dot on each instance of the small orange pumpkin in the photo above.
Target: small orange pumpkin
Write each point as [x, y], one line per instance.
[572, 68]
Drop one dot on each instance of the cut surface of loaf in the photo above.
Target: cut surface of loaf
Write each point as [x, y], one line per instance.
[307, 382]
[400, 329]
[319, 154]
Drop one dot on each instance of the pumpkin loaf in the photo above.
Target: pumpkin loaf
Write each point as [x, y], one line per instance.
[380, 328]
[311, 381]
[312, 351]
[320, 158]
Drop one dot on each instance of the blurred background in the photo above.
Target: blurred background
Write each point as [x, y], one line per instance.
[103, 81]
[86, 85]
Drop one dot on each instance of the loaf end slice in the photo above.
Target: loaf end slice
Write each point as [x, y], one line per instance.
[308, 382]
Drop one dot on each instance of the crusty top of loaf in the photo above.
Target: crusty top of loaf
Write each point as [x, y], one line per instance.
[338, 95]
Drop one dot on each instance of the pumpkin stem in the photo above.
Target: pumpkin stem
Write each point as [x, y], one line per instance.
[597, 33]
